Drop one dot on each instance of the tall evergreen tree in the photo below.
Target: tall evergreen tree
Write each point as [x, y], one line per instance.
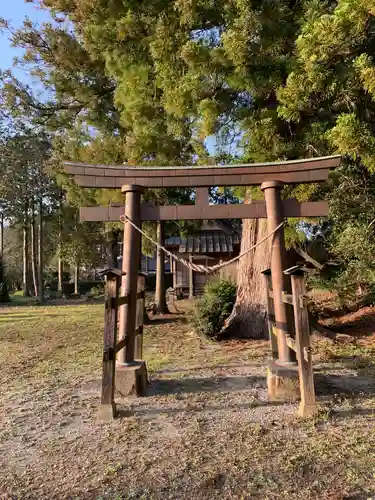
[209, 68]
[27, 191]
[291, 78]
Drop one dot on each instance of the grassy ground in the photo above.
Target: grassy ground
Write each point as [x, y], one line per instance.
[205, 431]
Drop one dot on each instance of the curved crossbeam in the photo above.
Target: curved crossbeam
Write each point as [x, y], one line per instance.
[290, 172]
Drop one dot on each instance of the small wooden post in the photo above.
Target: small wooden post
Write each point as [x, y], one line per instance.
[303, 347]
[138, 351]
[270, 313]
[107, 408]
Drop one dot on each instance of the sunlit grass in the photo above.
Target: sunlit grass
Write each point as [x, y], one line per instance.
[51, 341]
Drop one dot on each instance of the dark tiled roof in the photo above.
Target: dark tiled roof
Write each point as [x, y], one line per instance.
[205, 242]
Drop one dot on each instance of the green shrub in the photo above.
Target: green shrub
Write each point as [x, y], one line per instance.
[211, 311]
[355, 282]
[96, 291]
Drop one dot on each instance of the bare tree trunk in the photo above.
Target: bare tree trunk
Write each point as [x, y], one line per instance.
[25, 258]
[60, 270]
[248, 318]
[60, 266]
[76, 278]
[33, 257]
[40, 255]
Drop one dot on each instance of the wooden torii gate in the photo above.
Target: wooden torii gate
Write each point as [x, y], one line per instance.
[133, 180]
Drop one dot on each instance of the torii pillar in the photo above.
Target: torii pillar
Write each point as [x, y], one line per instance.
[282, 374]
[131, 374]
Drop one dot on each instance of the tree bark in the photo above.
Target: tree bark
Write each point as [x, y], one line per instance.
[60, 270]
[249, 315]
[76, 278]
[25, 258]
[60, 266]
[33, 257]
[40, 254]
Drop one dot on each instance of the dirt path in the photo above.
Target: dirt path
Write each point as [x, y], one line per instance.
[205, 430]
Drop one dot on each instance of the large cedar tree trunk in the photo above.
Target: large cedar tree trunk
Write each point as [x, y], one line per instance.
[248, 318]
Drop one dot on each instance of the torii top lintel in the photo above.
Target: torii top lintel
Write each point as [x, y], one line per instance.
[290, 172]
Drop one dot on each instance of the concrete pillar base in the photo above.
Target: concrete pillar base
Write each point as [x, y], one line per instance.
[283, 382]
[106, 413]
[131, 380]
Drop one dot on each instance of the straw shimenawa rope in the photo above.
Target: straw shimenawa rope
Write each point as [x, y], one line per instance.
[198, 267]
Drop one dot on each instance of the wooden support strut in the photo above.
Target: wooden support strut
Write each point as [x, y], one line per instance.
[287, 298]
[302, 343]
[107, 409]
[122, 343]
[122, 300]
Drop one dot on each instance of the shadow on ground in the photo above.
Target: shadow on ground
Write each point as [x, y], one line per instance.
[142, 411]
[345, 384]
[208, 367]
[163, 320]
[209, 384]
